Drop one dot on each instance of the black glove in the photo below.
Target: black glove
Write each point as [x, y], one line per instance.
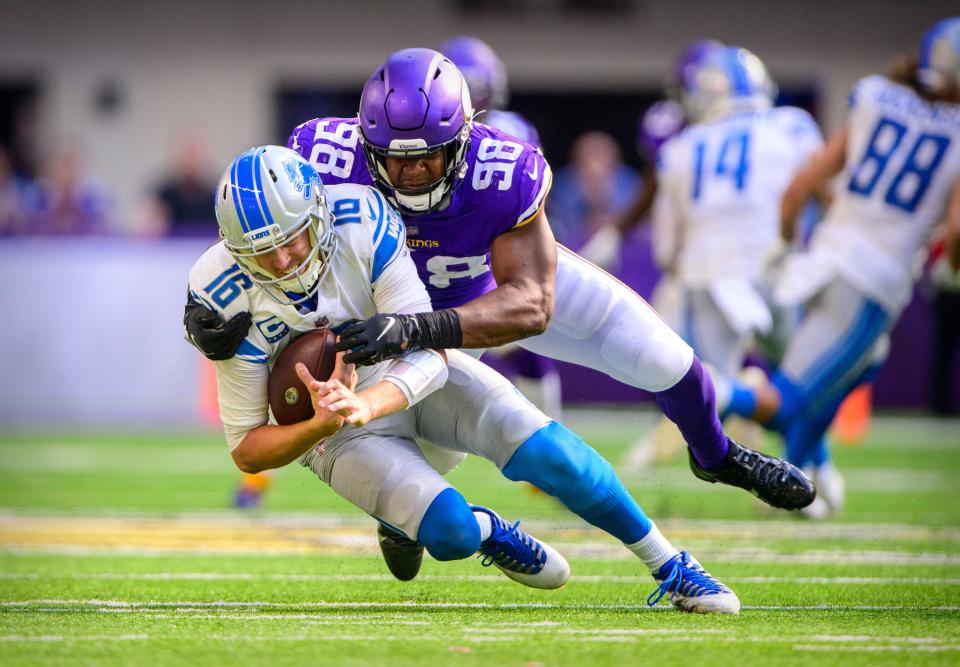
[382, 337]
[206, 329]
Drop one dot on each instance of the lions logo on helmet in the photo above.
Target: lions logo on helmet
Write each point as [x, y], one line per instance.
[266, 198]
[302, 176]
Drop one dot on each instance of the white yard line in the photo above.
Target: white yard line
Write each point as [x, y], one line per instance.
[874, 648]
[187, 607]
[585, 550]
[481, 578]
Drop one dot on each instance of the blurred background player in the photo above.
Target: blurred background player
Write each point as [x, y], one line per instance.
[898, 158]
[659, 123]
[721, 181]
[486, 76]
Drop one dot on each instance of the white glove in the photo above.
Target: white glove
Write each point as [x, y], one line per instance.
[943, 277]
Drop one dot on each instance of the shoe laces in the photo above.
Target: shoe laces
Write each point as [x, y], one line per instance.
[687, 578]
[765, 469]
[511, 548]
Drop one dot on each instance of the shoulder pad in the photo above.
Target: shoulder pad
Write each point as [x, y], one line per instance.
[217, 281]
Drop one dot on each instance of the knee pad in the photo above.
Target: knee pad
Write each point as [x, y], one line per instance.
[449, 531]
[557, 461]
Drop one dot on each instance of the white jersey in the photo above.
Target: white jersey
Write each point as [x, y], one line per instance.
[903, 160]
[371, 271]
[720, 184]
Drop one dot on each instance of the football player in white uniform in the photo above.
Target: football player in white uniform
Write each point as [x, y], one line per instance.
[721, 180]
[898, 158]
[297, 256]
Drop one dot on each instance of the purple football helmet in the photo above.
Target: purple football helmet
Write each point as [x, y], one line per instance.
[482, 68]
[660, 123]
[688, 59]
[415, 104]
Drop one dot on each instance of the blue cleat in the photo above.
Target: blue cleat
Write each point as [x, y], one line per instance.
[692, 588]
[519, 556]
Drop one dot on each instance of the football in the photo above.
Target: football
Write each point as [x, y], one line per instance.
[289, 398]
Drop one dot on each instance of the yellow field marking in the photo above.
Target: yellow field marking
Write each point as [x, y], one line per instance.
[329, 534]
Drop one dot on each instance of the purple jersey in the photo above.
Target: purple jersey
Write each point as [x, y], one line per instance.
[513, 124]
[503, 186]
[660, 123]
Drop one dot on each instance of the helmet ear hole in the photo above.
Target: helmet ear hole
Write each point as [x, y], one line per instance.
[273, 175]
[226, 186]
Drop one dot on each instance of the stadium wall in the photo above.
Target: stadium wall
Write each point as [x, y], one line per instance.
[215, 65]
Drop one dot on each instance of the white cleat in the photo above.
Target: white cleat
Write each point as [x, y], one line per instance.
[693, 589]
[831, 493]
[521, 557]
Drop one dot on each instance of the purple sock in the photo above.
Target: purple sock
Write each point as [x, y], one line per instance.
[692, 405]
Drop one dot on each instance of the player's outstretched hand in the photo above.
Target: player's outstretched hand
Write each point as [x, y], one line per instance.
[325, 422]
[217, 339]
[335, 397]
[381, 337]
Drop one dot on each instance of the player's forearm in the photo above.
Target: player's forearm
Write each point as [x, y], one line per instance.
[514, 310]
[790, 205]
[274, 446]
[384, 398]
[811, 180]
[642, 203]
[953, 229]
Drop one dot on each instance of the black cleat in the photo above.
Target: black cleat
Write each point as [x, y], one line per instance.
[402, 555]
[772, 480]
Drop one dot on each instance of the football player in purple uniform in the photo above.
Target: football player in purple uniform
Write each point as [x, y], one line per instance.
[472, 199]
[536, 376]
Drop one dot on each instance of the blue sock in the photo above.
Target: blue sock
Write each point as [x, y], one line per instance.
[820, 453]
[743, 402]
[557, 461]
[448, 530]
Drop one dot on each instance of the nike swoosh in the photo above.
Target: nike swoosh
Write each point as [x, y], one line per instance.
[536, 170]
[387, 328]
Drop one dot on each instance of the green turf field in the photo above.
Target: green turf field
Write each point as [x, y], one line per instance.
[119, 549]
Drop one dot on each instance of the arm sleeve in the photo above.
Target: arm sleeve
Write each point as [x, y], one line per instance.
[242, 395]
[241, 380]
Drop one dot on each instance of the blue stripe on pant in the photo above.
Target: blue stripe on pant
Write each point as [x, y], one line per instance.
[809, 404]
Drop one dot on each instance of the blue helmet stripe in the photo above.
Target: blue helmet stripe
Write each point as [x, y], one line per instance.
[738, 73]
[261, 195]
[236, 200]
[247, 190]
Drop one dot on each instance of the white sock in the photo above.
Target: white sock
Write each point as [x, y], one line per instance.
[486, 525]
[654, 550]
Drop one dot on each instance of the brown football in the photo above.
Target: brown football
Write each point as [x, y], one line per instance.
[289, 398]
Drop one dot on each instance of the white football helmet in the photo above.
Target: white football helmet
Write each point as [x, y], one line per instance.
[939, 62]
[267, 197]
[727, 80]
